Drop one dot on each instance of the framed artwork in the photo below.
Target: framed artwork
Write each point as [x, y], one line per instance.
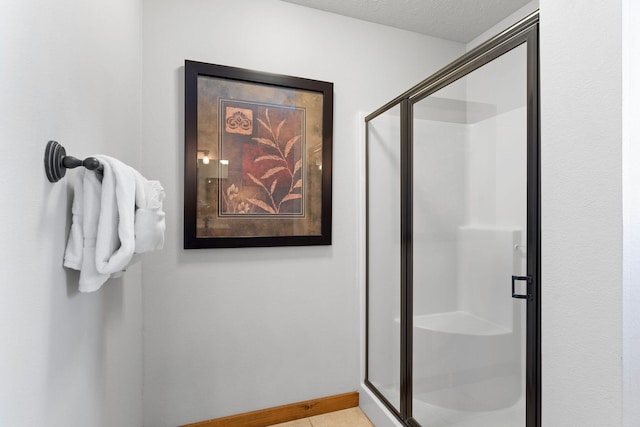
[258, 150]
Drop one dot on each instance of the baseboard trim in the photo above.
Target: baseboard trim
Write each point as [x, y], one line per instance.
[285, 413]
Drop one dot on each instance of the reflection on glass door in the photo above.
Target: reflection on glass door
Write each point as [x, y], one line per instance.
[469, 239]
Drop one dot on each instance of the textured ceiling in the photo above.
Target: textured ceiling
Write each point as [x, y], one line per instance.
[457, 20]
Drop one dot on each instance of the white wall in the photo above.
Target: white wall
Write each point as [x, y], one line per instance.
[69, 70]
[581, 83]
[232, 330]
[631, 194]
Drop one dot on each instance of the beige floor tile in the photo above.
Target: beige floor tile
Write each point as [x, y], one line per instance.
[297, 423]
[352, 417]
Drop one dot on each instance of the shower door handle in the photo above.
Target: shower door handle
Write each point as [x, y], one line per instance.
[513, 287]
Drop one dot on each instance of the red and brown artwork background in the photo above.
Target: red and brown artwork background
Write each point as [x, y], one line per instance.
[264, 145]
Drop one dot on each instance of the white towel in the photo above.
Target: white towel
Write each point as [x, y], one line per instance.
[81, 246]
[112, 220]
[149, 222]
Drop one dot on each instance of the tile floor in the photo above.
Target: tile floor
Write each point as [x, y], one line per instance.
[352, 417]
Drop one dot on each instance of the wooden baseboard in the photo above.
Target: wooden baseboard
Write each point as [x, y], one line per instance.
[285, 413]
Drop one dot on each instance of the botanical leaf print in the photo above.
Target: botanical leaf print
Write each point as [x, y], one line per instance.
[263, 123]
[262, 205]
[272, 172]
[265, 171]
[279, 128]
[290, 144]
[297, 167]
[278, 162]
[290, 197]
[263, 158]
[266, 142]
[256, 180]
[233, 203]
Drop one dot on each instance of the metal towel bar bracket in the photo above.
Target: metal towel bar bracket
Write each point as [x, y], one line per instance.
[56, 162]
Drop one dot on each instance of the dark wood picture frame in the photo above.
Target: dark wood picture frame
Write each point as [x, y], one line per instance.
[258, 153]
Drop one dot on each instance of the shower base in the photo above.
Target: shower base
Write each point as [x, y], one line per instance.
[435, 416]
[429, 415]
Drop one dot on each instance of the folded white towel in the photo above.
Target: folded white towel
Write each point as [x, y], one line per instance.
[112, 220]
[149, 222]
[81, 246]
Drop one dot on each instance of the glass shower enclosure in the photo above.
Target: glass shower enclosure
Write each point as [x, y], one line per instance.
[453, 328]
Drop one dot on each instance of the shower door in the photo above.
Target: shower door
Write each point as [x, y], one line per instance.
[469, 163]
[453, 242]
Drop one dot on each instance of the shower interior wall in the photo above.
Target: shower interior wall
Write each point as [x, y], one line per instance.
[474, 162]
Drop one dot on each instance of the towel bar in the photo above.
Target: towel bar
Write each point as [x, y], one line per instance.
[56, 162]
